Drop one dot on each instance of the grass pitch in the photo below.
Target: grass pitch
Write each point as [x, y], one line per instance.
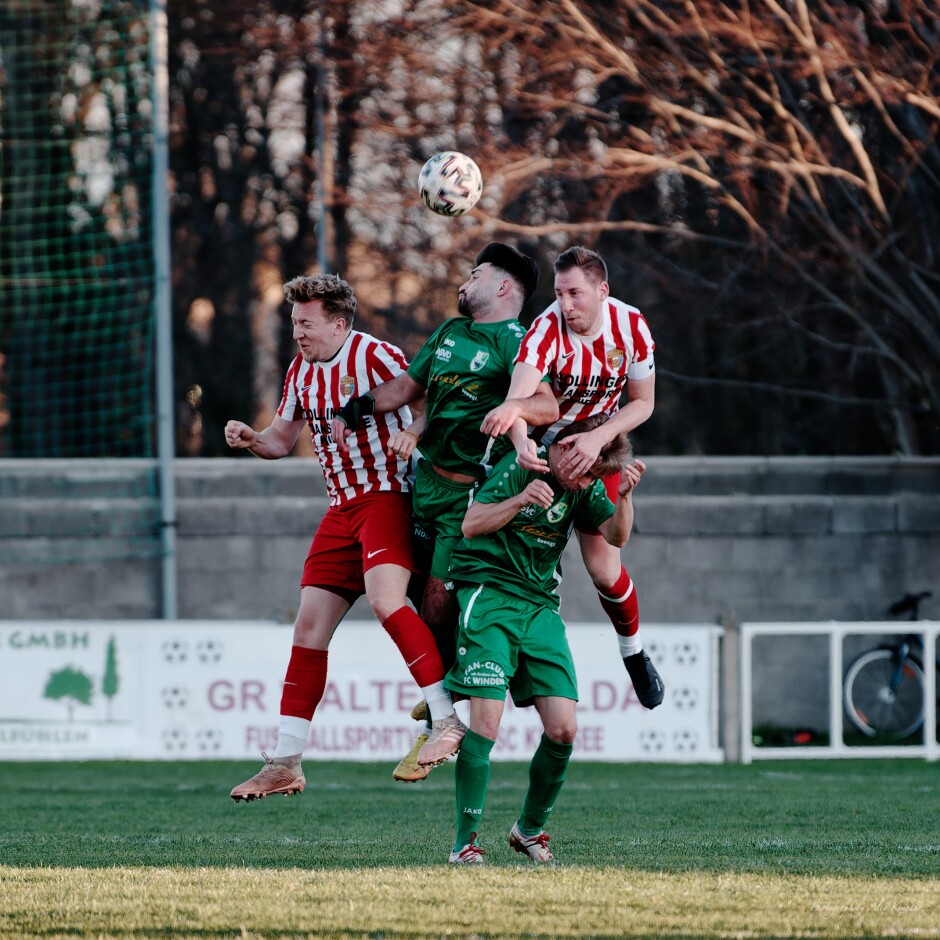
[139, 850]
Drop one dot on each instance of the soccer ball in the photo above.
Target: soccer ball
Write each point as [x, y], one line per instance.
[450, 183]
[685, 741]
[209, 740]
[685, 654]
[174, 651]
[174, 739]
[652, 741]
[685, 698]
[175, 696]
[209, 651]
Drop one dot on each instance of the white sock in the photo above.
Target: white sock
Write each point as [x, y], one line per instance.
[438, 699]
[630, 644]
[291, 736]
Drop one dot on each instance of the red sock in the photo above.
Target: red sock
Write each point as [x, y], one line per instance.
[416, 644]
[620, 604]
[304, 682]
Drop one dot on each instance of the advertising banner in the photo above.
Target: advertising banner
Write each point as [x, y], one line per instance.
[212, 689]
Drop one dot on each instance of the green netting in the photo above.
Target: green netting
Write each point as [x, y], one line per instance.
[76, 269]
[76, 279]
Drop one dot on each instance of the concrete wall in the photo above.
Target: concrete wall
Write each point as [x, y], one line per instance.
[717, 540]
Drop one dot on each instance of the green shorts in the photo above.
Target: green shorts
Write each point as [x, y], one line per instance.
[505, 643]
[438, 506]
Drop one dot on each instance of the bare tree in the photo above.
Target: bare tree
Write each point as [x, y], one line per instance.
[761, 176]
[775, 142]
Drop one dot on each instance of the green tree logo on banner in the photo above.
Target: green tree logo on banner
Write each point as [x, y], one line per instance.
[110, 682]
[72, 685]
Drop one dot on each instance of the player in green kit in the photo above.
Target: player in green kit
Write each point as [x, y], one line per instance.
[462, 367]
[506, 574]
[464, 370]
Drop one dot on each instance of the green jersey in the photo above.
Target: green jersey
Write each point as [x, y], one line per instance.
[523, 558]
[465, 367]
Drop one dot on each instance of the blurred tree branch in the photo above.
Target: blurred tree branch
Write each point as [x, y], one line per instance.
[763, 177]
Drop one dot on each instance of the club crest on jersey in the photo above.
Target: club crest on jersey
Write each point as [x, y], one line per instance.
[479, 360]
[615, 358]
[557, 512]
[347, 386]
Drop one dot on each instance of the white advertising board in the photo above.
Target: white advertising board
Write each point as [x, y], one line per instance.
[212, 689]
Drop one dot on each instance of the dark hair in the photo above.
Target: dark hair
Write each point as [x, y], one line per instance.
[337, 296]
[520, 267]
[614, 455]
[593, 265]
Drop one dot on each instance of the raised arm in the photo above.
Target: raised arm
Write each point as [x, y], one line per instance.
[386, 397]
[585, 448]
[526, 449]
[403, 443]
[642, 395]
[276, 440]
[483, 518]
[616, 530]
[396, 392]
[529, 398]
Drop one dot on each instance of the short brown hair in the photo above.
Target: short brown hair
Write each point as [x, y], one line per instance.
[614, 455]
[593, 265]
[337, 296]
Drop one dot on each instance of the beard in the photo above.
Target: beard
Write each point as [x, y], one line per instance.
[466, 306]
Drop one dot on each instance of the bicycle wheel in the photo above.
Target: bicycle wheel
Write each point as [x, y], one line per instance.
[873, 706]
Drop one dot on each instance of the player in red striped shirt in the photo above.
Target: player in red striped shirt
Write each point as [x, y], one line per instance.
[595, 349]
[363, 544]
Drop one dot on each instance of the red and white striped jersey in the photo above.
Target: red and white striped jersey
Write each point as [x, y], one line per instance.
[315, 391]
[589, 374]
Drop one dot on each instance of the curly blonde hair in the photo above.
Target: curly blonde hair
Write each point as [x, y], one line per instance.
[337, 296]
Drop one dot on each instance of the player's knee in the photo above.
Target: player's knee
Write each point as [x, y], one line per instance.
[563, 731]
[604, 571]
[304, 630]
[383, 608]
[485, 726]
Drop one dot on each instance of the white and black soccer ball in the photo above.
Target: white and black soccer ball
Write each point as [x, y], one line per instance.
[652, 741]
[685, 653]
[209, 651]
[174, 739]
[450, 183]
[684, 697]
[656, 652]
[175, 650]
[685, 741]
[209, 740]
[174, 696]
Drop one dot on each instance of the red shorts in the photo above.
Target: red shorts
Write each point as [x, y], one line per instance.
[611, 484]
[374, 529]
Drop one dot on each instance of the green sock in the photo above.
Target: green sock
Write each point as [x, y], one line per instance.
[546, 776]
[473, 777]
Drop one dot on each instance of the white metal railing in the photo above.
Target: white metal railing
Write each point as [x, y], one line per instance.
[837, 631]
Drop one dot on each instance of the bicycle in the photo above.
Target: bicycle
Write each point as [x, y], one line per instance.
[883, 690]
